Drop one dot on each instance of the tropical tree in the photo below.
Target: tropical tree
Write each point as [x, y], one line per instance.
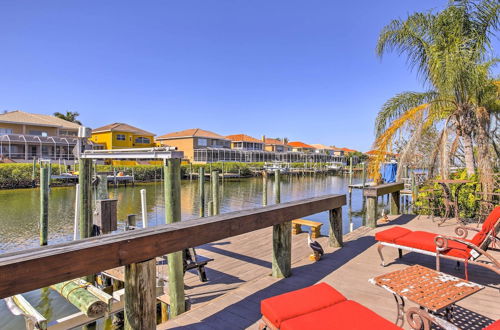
[69, 116]
[449, 51]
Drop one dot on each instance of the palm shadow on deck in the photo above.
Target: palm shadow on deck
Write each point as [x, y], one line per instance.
[245, 312]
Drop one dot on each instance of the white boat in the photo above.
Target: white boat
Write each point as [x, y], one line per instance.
[334, 166]
[271, 167]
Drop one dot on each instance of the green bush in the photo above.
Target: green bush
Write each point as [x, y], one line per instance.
[19, 175]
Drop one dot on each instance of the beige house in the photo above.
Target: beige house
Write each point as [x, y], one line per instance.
[276, 145]
[245, 142]
[193, 139]
[24, 136]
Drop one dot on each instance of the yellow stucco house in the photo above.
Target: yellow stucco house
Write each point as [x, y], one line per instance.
[123, 136]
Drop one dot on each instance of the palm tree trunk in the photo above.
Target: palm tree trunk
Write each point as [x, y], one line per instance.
[468, 154]
[484, 155]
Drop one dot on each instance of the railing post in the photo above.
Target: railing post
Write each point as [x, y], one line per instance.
[335, 235]
[140, 295]
[282, 239]
[173, 214]
[395, 203]
[371, 211]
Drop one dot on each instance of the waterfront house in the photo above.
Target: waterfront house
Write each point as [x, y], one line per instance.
[276, 145]
[298, 146]
[24, 136]
[323, 149]
[121, 136]
[198, 145]
[337, 151]
[245, 142]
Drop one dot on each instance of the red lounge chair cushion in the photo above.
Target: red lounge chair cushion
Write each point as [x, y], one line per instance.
[295, 303]
[487, 226]
[390, 235]
[425, 241]
[347, 315]
[494, 326]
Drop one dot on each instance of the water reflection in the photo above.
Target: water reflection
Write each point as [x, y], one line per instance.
[19, 217]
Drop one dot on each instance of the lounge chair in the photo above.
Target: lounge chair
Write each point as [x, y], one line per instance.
[318, 307]
[456, 248]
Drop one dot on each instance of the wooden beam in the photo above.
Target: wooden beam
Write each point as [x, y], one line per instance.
[371, 212]
[140, 295]
[282, 238]
[335, 234]
[383, 189]
[61, 262]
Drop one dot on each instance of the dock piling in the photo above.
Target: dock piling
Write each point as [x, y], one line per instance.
[144, 209]
[172, 215]
[44, 204]
[215, 193]
[335, 234]
[201, 190]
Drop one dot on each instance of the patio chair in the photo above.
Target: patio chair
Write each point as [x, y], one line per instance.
[441, 246]
[318, 307]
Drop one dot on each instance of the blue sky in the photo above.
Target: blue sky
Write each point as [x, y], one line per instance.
[305, 70]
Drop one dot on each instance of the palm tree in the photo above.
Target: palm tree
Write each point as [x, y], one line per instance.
[449, 51]
[69, 116]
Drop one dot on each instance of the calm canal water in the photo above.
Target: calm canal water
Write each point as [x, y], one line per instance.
[19, 212]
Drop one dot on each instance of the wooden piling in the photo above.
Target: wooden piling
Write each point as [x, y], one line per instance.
[215, 193]
[81, 298]
[371, 212]
[282, 239]
[201, 190]
[350, 170]
[364, 173]
[264, 188]
[102, 187]
[33, 172]
[335, 234]
[173, 214]
[140, 295]
[44, 205]
[84, 179]
[131, 222]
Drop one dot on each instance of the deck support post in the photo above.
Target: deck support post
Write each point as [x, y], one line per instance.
[371, 211]
[282, 239]
[201, 190]
[395, 203]
[335, 235]
[140, 295]
[44, 204]
[173, 214]
[364, 173]
[215, 193]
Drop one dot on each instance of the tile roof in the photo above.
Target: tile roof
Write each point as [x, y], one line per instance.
[322, 146]
[275, 142]
[243, 138]
[21, 117]
[299, 144]
[347, 150]
[192, 132]
[122, 127]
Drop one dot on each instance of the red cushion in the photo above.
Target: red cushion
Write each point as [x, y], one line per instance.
[488, 224]
[494, 326]
[347, 315]
[295, 303]
[425, 241]
[390, 235]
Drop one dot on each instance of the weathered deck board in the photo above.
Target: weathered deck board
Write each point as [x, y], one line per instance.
[239, 278]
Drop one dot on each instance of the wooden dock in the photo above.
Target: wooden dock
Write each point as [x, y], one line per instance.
[239, 278]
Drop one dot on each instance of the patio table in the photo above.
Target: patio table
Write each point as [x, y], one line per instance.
[450, 199]
[434, 292]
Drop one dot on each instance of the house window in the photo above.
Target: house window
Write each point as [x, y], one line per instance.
[142, 140]
[120, 137]
[39, 133]
[5, 130]
[202, 142]
[68, 133]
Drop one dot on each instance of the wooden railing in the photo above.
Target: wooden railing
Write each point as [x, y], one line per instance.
[372, 193]
[27, 270]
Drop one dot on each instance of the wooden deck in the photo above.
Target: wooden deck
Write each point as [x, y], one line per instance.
[239, 278]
